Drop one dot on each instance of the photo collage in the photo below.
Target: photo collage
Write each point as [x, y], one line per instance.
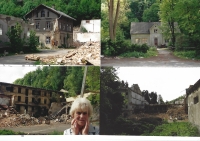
[119, 69]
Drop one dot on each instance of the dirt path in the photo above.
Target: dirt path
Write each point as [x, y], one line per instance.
[165, 58]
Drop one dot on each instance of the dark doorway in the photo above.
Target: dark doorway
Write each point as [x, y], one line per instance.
[156, 41]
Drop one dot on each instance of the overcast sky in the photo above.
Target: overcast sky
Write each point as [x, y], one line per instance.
[9, 74]
[169, 82]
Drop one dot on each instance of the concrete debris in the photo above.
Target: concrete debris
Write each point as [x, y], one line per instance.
[32, 57]
[87, 54]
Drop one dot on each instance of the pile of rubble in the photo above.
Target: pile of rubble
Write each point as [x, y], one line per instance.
[14, 120]
[173, 113]
[87, 54]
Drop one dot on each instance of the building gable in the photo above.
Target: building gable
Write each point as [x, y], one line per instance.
[44, 7]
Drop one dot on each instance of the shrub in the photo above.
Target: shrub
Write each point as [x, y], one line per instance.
[175, 129]
[115, 48]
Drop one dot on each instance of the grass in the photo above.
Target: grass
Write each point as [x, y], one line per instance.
[151, 52]
[174, 129]
[10, 132]
[37, 63]
[56, 133]
[187, 54]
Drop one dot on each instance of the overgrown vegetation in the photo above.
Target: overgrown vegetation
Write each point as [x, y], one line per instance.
[174, 129]
[151, 52]
[18, 44]
[187, 54]
[126, 49]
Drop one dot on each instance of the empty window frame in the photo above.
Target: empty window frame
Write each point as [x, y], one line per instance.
[19, 98]
[87, 21]
[60, 26]
[45, 101]
[155, 30]
[196, 100]
[47, 40]
[19, 90]
[37, 14]
[48, 25]
[137, 40]
[47, 13]
[42, 13]
[37, 25]
[144, 41]
[1, 29]
[70, 28]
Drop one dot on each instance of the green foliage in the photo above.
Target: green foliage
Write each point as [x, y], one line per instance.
[56, 133]
[14, 35]
[115, 48]
[33, 42]
[175, 129]
[111, 100]
[57, 78]
[92, 79]
[187, 54]
[10, 132]
[151, 14]
[78, 9]
[94, 99]
[73, 81]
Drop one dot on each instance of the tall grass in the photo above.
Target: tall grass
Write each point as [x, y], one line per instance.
[174, 129]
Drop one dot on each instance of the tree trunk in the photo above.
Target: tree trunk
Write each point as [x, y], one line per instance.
[110, 12]
[116, 17]
[113, 25]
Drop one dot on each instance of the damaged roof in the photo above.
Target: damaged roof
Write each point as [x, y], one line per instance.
[142, 27]
[52, 9]
[193, 88]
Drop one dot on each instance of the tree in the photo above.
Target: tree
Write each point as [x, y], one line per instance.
[167, 16]
[73, 81]
[151, 14]
[14, 35]
[92, 79]
[111, 100]
[188, 18]
[33, 41]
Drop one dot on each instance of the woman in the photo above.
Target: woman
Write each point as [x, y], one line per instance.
[80, 111]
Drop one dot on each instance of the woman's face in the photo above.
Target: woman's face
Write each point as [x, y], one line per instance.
[81, 116]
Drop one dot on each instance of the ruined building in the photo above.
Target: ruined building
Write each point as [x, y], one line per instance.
[27, 99]
[192, 97]
[135, 99]
[53, 28]
[7, 22]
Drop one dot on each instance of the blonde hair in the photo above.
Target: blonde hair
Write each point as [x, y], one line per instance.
[81, 104]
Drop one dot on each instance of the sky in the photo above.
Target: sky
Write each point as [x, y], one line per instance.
[9, 74]
[169, 82]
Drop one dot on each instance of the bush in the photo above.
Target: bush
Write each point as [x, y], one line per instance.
[175, 129]
[187, 54]
[115, 48]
